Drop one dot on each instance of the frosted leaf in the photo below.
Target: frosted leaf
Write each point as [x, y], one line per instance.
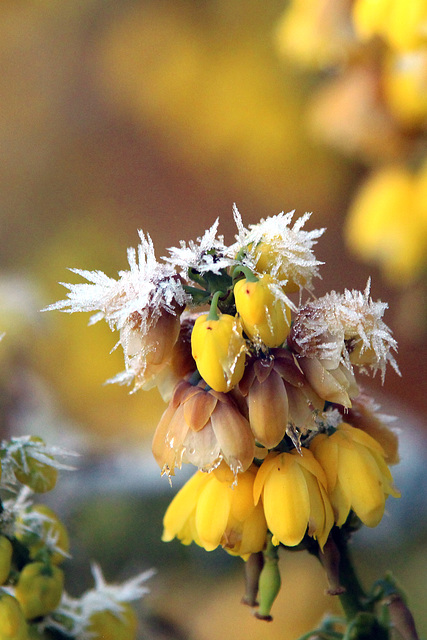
[148, 288]
[290, 248]
[206, 254]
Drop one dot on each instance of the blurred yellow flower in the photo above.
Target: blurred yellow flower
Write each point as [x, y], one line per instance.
[6, 551]
[316, 33]
[215, 509]
[399, 22]
[106, 625]
[387, 223]
[404, 82]
[358, 477]
[293, 488]
[39, 589]
[12, 622]
[265, 316]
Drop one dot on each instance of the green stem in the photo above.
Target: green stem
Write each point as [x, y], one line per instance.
[354, 598]
[213, 311]
[249, 275]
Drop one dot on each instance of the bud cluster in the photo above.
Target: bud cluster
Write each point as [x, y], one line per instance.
[261, 388]
[34, 544]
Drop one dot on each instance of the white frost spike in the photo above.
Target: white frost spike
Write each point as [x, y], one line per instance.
[195, 255]
[111, 597]
[292, 246]
[148, 287]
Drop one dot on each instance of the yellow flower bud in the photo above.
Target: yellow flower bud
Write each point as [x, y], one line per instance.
[264, 316]
[39, 527]
[269, 586]
[106, 625]
[39, 589]
[6, 551]
[357, 475]
[12, 622]
[293, 488]
[218, 348]
[39, 476]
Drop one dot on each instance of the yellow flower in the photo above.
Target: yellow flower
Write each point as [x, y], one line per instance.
[120, 625]
[399, 22]
[12, 622]
[357, 475]
[293, 489]
[203, 427]
[6, 551]
[39, 589]
[218, 509]
[265, 317]
[219, 350]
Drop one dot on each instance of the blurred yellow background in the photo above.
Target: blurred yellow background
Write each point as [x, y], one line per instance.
[127, 114]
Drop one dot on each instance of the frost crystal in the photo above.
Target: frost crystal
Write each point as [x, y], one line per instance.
[206, 254]
[18, 453]
[291, 248]
[332, 327]
[148, 288]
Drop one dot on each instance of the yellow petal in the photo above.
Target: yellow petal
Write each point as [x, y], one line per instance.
[262, 474]
[182, 506]
[212, 511]
[286, 501]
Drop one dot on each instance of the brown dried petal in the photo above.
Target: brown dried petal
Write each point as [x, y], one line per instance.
[262, 368]
[323, 382]
[234, 435]
[169, 438]
[287, 365]
[268, 410]
[198, 409]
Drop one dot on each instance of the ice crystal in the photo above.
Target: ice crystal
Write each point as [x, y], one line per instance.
[291, 246]
[147, 288]
[329, 328]
[206, 254]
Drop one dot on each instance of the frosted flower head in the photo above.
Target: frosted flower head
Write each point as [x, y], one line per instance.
[345, 328]
[273, 246]
[147, 288]
[208, 253]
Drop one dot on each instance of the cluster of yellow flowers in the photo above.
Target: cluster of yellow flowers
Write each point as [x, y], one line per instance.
[373, 107]
[33, 544]
[261, 388]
